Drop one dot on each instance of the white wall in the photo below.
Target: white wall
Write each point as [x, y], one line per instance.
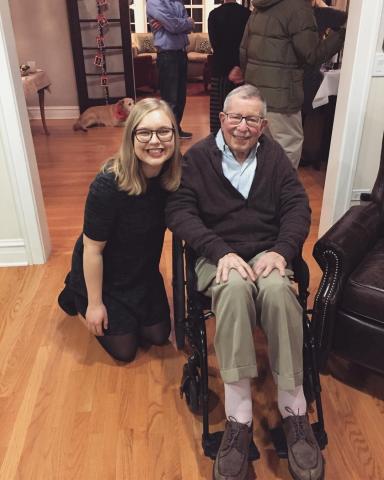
[24, 235]
[352, 126]
[42, 34]
[11, 241]
[370, 147]
[371, 140]
[9, 225]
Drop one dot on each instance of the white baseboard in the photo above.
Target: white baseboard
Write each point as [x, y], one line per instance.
[356, 192]
[54, 113]
[13, 253]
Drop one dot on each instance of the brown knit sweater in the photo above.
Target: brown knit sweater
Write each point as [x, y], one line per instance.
[215, 219]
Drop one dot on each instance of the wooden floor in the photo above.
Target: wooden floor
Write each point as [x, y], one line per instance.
[69, 412]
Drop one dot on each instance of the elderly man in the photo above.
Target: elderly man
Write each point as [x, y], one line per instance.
[241, 207]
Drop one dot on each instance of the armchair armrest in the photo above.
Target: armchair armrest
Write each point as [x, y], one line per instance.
[338, 253]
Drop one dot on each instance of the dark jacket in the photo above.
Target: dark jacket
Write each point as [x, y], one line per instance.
[225, 28]
[281, 37]
[325, 18]
[215, 219]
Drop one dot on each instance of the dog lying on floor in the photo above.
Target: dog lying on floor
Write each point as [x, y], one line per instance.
[105, 115]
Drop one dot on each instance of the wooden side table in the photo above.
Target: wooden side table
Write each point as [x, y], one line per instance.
[37, 82]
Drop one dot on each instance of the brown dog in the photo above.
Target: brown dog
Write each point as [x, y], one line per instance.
[105, 115]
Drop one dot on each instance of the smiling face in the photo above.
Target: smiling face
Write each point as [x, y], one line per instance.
[242, 138]
[155, 152]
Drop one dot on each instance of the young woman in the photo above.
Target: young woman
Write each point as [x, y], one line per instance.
[115, 283]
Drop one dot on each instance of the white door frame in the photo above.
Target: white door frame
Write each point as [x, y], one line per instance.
[19, 151]
[355, 80]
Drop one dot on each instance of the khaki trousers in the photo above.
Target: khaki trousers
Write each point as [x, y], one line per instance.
[237, 305]
[287, 129]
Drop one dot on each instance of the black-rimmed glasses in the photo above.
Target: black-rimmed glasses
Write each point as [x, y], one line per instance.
[251, 120]
[144, 135]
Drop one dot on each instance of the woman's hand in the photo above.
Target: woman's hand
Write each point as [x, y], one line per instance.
[96, 315]
[96, 318]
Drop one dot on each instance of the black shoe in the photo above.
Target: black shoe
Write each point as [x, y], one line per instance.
[67, 302]
[185, 135]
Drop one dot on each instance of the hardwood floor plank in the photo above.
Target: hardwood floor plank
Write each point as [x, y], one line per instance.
[15, 449]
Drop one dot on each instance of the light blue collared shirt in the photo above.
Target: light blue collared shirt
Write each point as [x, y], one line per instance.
[239, 174]
[175, 23]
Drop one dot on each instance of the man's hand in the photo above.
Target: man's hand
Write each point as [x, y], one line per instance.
[156, 25]
[236, 75]
[233, 261]
[268, 262]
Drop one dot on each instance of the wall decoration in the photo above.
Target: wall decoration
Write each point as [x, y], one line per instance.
[102, 22]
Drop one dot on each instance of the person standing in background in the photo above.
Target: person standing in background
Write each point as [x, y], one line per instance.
[327, 18]
[170, 25]
[225, 28]
[280, 38]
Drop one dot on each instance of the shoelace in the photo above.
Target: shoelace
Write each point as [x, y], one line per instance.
[234, 432]
[298, 422]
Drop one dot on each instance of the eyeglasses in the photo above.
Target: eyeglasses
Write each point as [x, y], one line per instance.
[236, 118]
[144, 135]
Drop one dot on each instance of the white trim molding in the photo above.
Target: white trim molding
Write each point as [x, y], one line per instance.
[13, 253]
[355, 79]
[54, 113]
[19, 150]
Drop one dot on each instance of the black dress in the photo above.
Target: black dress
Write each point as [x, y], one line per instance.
[133, 227]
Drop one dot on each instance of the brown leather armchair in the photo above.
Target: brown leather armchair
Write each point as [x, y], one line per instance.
[348, 315]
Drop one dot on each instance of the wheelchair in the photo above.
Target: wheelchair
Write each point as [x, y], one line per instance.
[191, 310]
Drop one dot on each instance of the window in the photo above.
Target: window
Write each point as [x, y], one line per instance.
[132, 20]
[195, 9]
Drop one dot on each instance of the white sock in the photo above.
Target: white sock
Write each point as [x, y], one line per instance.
[238, 401]
[293, 400]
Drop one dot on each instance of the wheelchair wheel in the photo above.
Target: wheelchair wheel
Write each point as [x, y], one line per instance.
[191, 388]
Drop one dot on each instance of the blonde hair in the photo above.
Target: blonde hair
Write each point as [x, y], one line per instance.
[126, 165]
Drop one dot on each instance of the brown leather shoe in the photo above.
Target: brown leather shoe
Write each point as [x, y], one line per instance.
[231, 462]
[305, 461]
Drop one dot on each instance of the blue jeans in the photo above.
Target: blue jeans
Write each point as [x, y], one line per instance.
[172, 66]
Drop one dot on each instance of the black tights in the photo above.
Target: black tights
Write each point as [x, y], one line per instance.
[124, 347]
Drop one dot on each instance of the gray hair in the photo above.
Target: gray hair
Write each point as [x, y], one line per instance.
[246, 91]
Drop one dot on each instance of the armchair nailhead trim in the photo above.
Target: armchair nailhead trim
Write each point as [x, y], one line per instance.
[326, 254]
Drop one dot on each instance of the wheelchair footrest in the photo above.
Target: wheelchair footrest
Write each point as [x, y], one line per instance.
[211, 445]
[280, 444]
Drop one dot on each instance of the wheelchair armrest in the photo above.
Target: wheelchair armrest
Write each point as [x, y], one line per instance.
[178, 287]
[301, 277]
[338, 253]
